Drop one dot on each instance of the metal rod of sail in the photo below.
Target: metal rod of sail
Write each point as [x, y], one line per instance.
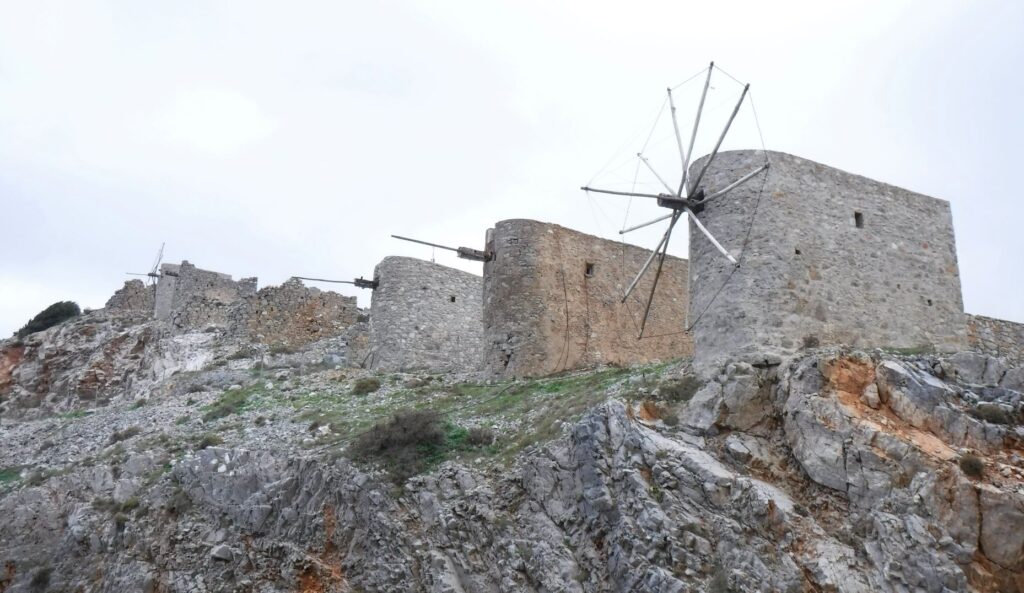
[663, 182]
[643, 224]
[693, 134]
[647, 264]
[657, 275]
[735, 184]
[714, 152]
[601, 191]
[324, 280]
[425, 243]
[675, 125]
[710, 237]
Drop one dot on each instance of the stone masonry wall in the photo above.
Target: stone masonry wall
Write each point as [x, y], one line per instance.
[552, 302]
[424, 316]
[833, 258]
[997, 337]
[190, 298]
[133, 298]
[292, 315]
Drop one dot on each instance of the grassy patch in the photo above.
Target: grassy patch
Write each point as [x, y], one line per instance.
[912, 350]
[9, 474]
[75, 414]
[679, 389]
[231, 402]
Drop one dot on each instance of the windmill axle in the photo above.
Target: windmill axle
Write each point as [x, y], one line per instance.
[694, 202]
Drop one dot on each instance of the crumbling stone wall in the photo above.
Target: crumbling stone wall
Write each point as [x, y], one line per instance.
[552, 302]
[832, 258]
[996, 337]
[424, 316]
[133, 298]
[292, 315]
[190, 298]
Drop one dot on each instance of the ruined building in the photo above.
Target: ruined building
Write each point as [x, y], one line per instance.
[190, 298]
[424, 316]
[292, 315]
[134, 298]
[552, 302]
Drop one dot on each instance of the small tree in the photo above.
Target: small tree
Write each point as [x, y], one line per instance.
[49, 317]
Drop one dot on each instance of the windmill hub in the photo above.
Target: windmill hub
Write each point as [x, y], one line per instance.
[695, 202]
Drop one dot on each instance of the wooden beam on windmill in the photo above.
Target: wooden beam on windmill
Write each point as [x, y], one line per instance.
[463, 252]
[359, 282]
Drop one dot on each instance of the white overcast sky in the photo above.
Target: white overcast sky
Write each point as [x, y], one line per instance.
[274, 139]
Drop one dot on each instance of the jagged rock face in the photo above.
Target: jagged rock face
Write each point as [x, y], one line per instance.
[102, 355]
[832, 472]
[81, 362]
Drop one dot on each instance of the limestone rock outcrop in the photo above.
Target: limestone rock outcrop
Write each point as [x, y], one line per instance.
[833, 471]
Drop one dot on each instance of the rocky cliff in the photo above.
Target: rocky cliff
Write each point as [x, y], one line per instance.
[134, 460]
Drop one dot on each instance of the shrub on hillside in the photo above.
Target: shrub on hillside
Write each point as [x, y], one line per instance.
[365, 385]
[407, 443]
[480, 437]
[972, 465]
[679, 389]
[49, 317]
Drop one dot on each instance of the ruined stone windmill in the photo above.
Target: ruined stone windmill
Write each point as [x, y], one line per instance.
[689, 197]
[154, 273]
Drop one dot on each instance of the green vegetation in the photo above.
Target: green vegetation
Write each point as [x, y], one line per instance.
[679, 389]
[53, 315]
[912, 351]
[9, 474]
[73, 414]
[411, 442]
[365, 385]
[231, 402]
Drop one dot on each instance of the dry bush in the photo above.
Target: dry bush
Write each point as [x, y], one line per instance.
[972, 465]
[365, 385]
[480, 437]
[680, 389]
[406, 444]
[124, 435]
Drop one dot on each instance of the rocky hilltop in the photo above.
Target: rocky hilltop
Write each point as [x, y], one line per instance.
[139, 457]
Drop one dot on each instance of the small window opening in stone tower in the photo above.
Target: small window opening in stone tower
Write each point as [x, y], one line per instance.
[858, 219]
[588, 271]
[451, 299]
[929, 302]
